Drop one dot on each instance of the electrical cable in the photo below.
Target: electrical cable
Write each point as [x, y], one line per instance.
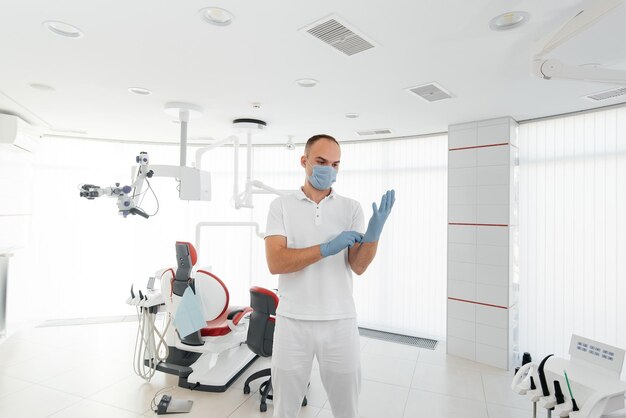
[153, 404]
[147, 352]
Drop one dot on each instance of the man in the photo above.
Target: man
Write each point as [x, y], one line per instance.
[314, 242]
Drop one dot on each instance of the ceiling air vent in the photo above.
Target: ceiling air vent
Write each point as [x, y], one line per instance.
[607, 94]
[431, 92]
[374, 132]
[336, 33]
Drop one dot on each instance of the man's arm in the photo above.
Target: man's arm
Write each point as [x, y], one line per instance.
[361, 255]
[281, 259]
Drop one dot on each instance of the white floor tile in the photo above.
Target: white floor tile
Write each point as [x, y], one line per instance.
[386, 348]
[90, 378]
[9, 385]
[385, 369]
[134, 394]
[381, 400]
[452, 381]
[92, 409]
[16, 350]
[35, 401]
[498, 391]
[250, 409]
[325, 413]
[433, 405]
[440, 357]
[51, 363]
[499, 411]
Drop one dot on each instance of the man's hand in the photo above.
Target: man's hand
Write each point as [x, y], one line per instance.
[377, 221]
[342, 241]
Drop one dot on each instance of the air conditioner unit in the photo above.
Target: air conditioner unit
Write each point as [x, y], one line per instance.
[18, 133]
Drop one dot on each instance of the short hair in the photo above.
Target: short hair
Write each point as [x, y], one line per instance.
[312, 140]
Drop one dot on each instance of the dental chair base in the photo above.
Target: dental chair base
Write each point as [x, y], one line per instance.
[208, 372]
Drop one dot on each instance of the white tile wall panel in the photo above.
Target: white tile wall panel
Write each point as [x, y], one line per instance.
[463, 158]
[492, 295]
[462, 252]
[494, 317]
[492, 356]
[498, 155]
[462, 234]
[461, 290]
[492, 235]
[493, 134]
[482, 190]
[464, 195]
[461, 271]
[462, 213]
[492, 255]
[492, 214]
[491, 175]
[492, 275]
[492, 195]
[461, 138]
[462, 310]
[459, 328]
[461, 348]
[462, 177]
[493, 336]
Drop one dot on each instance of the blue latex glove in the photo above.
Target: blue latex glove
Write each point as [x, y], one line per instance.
[377, 221]
[342, 241]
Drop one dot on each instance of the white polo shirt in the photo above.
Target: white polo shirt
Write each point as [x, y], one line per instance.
[322, 290]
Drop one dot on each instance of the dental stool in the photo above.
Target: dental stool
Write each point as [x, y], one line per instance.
[261, 338]
[212, 358]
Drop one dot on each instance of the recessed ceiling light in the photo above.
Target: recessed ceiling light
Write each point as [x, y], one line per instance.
[42, 87]
[216, 16]
[62, 29]
[307, 82]
[352, 115]
[508, 21]
[140, 91]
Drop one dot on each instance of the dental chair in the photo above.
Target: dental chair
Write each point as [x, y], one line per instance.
[261, 338]
[212, 358]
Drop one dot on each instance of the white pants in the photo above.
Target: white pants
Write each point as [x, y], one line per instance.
[335, 343]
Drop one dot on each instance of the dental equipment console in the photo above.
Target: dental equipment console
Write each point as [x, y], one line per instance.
[587, 385]
[210, 359]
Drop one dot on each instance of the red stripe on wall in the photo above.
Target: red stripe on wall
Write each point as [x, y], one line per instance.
[478, 303]
[468, 224]
[480, 146]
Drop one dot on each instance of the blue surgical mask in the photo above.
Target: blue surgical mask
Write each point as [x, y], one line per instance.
[323, 177]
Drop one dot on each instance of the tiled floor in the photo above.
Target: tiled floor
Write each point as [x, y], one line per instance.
[85, 371]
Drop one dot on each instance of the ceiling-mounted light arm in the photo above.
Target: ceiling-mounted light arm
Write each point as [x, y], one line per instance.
[547, 68]
[554, 68]
[183, 112]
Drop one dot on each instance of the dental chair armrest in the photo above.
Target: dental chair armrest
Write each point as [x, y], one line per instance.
[234, 317]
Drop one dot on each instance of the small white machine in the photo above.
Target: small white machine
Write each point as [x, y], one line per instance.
[587, 385]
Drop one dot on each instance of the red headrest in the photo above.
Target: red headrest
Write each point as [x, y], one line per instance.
[192, 251]
[265, 291]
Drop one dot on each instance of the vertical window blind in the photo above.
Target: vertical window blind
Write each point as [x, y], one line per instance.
[572, 202]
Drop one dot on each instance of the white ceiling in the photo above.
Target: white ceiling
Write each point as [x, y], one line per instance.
[164, 46]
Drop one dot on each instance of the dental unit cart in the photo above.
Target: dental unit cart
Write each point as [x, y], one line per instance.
[210, 359]
[587, 385]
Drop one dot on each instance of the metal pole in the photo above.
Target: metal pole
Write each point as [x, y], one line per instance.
[4, 277]
[183, 143]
